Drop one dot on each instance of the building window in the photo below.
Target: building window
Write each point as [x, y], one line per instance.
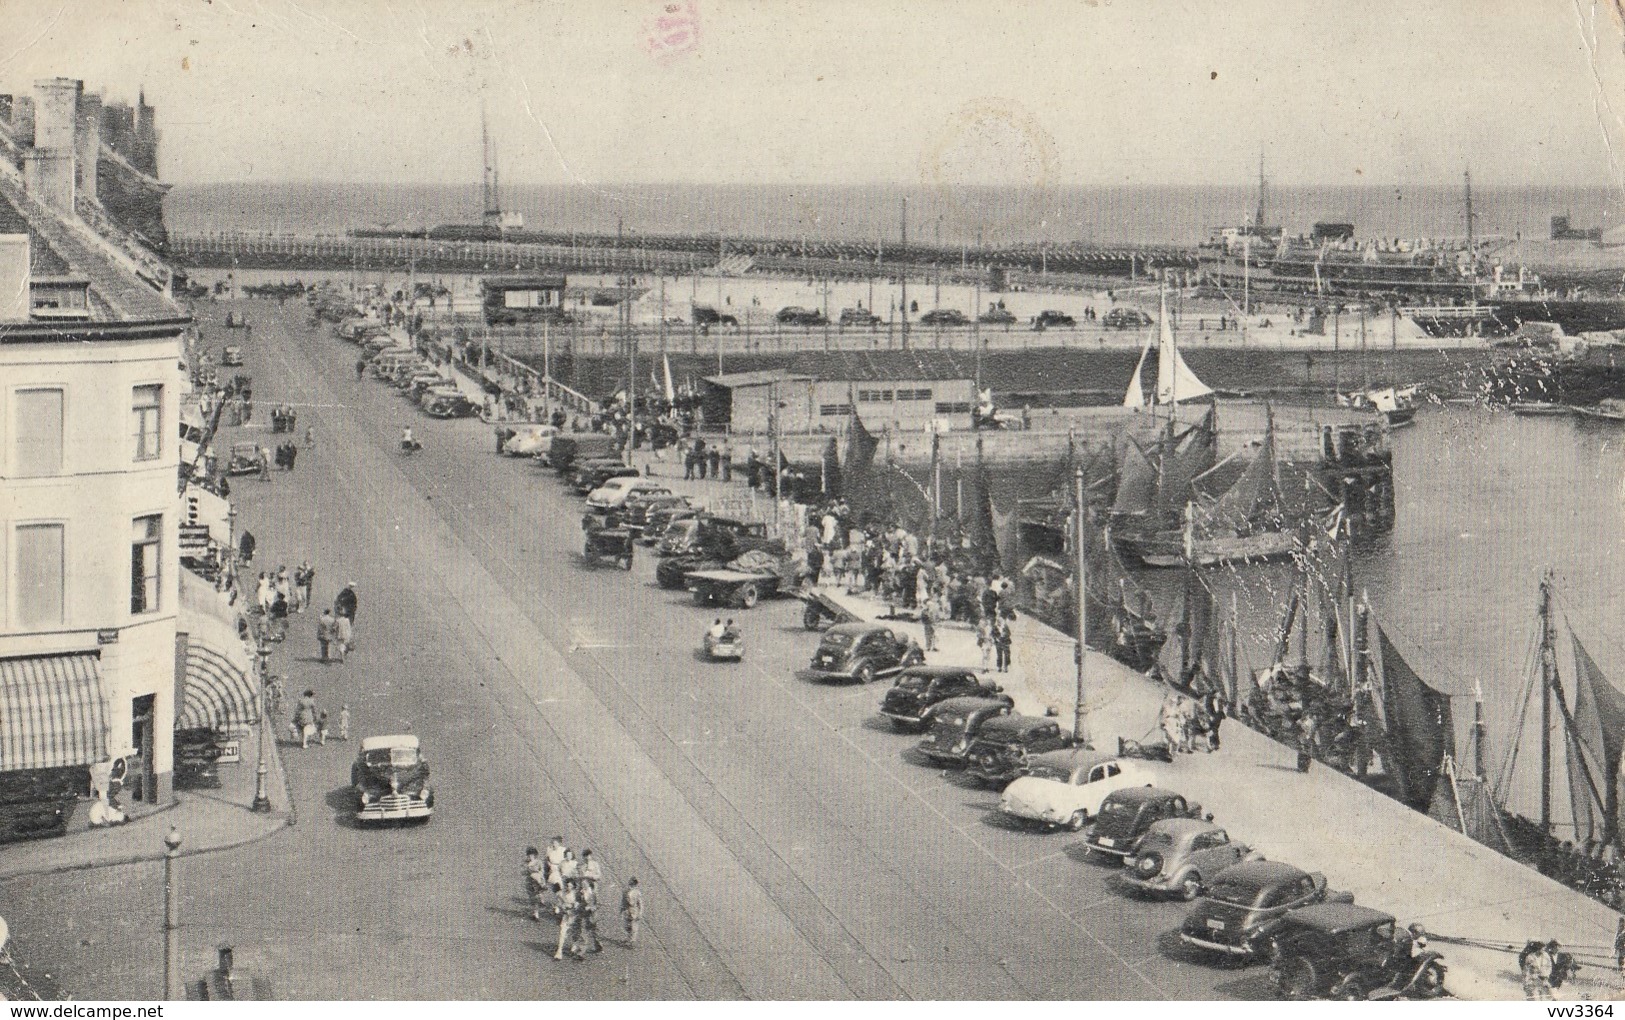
[39, 575]
[149, 412]
[952, 408]
[835, 410]
[37, 424]
[145, 550]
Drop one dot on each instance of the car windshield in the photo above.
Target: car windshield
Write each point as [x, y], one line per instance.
[1058, 773]
[1156, 841]
[392, 756]
[1237, 894]
[913, 683]
[836, 642]
[1118, 809]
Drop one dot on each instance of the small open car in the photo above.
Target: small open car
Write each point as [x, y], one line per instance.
[730, 647]
[391, 780]
[244, 459]
[611, 544]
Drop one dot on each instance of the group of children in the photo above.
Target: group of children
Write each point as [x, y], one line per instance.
[565, 888]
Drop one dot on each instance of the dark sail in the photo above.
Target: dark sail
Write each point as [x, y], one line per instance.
[1599, 721]
[1137, 487]
[1420, 729]
[1185, 456]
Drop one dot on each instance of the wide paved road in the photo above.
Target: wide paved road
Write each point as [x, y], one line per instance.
[788, 845]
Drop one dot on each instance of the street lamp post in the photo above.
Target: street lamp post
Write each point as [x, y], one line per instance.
[172, 923]
[1080, 716]
[262, 798]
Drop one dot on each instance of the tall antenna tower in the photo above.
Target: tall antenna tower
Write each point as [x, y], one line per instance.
[491, 203]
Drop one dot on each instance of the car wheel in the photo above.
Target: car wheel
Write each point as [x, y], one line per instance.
[914, 658]
[1430, 983]
[748, 596]
[1190, 887]
[811, 617]
[1078, 820]
[1295, 978]
[864, 674]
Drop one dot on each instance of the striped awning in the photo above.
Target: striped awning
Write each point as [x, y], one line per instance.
[219, 692]
[53, 712]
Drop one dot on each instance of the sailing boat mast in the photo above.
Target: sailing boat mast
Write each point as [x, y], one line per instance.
[1548, 678]
[1472, 248]
[1365, 363]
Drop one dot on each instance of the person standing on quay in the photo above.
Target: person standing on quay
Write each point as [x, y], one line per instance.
[344, 603]
[632, 910]
[324, 632]
[343, 636]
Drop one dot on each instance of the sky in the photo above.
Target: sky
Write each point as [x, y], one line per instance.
[1082, 92]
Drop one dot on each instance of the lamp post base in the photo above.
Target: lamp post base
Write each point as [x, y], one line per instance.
[262, 800]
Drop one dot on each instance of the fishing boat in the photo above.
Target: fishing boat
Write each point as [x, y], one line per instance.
[1610, 409]
[1569, 731]
[1539, 409]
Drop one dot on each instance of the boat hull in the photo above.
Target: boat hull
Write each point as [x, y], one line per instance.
[1168, 550]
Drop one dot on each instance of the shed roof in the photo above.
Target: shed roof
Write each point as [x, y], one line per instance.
[737, 380]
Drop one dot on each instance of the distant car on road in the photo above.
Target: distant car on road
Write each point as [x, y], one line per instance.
[705, 315]
[391, 780]
[918, 691]
[1125, 318]
[997, 317]
[1049, 317]
[794, 315]
[1176, 855]
[244, 459]
[1242, 906]
[863, 652]
[450, 405]
[231, 355]
[1066, 788]
[944, 317]
[859, 317]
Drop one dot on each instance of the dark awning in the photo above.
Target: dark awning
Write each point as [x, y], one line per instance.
[218, 693]
[53, 713]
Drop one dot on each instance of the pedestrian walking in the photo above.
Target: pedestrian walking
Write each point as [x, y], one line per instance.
[265, 464]
[1306, 742]
[310, 437]
[570, 869]
[1535, 968]
[1168, 722]
[321, 728]
[587, 933]
[304, 717]
[324, 632]
[1003, 640]
[555, 861]
[344, 603]
[344, 722]
[727, 463]
[565, 911]
[632, 910]
[303, 578]
[928, 622]
[589, 872]
[343, 637]
[984, 640]
[715, 455]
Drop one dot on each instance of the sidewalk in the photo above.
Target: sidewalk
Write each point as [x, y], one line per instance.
[1390, 857]
[208, 820]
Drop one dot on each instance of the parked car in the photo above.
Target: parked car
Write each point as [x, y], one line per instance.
[956, 724]
[593, 474]
[793, 315]
[391, 780]
[1177, 855]
[450, 405]
[1003, 746]
[244, 459]
[231, 355]
[613, 493]
[1066, 788]
[1125, 318]
[997, 316]
[1050, 317]
[662, 516]
[679, 535]
[859, 317]
[530, 441]
[1343, 951]
[944, 317]
[640, 507]
[1243, 905]
[569, 448]
[919, 691]
[863, 652]
[707, 316]
[717, 542]
[1127, 814]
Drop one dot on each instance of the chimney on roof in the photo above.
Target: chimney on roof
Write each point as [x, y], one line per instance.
[48, 172]
[22, 119]
[87, 142]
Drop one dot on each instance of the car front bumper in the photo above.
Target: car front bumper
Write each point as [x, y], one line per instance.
[1099, 847]
[1214, 947]
[395, 806]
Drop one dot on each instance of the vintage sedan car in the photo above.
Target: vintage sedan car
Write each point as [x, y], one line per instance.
[1127, 814]
[1125, 318]
[1049, 317]
[232, 355]
[612, 494]
[956, 724]
[1341, 951]
[677, 536]
[997, 316]
[1003, 746]
[863, 652]
[450, 405]
[944, 317]
[1066, 788]
[919, 691]
[859, 317]
[530, 441]
[643, 508]
[244, 459]
[391, 780]
[1177, 855]
[794, 315]
[595, 473]
[1242, 906]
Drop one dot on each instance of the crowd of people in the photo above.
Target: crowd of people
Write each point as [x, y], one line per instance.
[563, 890]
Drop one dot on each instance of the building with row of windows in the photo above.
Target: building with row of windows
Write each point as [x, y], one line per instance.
[904, 391]
[93, 640]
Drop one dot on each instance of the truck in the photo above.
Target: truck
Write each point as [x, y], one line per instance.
[747, 580]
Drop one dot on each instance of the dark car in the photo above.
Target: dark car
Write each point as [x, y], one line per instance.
[717, 542]
[660, 519]
[944, 317]
[640, 507]
[1242, 906]
[920, 690]
[1001, 749]
[1341, 951]
[451, 405]
[956, 724]
[391, 780]
[794, 315]
[595, 473]
[862, 652]
[859, 317]
[231, 355]
[1127, 814]
[704, 315]
[997, 317]
[679, 536]
[1050, 317]
[569, 449]
[1125, 318]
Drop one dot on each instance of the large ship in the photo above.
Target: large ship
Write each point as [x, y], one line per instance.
[1450, 287]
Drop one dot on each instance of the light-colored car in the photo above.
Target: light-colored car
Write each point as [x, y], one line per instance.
[1065, 788]
[613, 492]
[531, 441]
[1178, 855]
